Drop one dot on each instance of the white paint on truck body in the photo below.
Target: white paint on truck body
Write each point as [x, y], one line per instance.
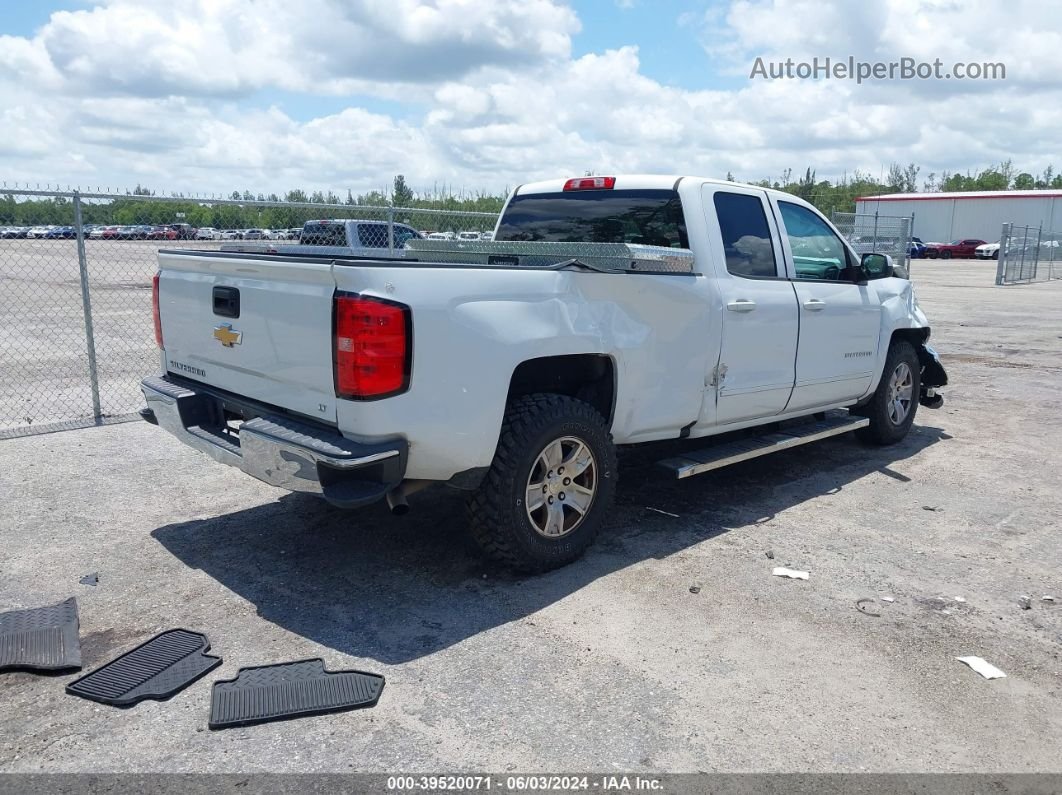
[684, 361]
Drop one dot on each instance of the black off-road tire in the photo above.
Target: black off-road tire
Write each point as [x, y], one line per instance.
[945, 255]
[882, 429]
[498, 518]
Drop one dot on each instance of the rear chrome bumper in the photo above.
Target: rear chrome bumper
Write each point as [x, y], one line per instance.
[274, 448]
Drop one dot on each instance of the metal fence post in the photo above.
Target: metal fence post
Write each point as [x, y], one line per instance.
[391, 231]
[1001, 259]
[86, 306]
[1039, 242]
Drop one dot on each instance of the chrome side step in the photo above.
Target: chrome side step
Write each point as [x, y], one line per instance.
[697, 461]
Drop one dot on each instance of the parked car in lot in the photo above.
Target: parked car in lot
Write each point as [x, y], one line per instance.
[61, 233]
[104, 233]
[183, 231]
[13, 232]
[162, 233]
[207, 233]
[917, 249]
[231, 234]
[35, 232]
[468, 236]
[513, 373]
[987, 251]
[957, 249]
[256, 234]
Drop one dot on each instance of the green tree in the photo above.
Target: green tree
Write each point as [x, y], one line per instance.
[401, 195]
[1024, 181]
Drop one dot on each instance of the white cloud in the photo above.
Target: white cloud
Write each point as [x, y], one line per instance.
[157, 93]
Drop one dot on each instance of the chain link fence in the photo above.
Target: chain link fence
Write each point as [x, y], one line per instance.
[76, 332]
[878, 234]
[1028, 254]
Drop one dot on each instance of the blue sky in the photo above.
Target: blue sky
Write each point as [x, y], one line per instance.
[201, 95]
[668, 45]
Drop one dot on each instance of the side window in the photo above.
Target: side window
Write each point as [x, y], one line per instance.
[746, 235]
[403, 234]
[817, 252]
[372, 235]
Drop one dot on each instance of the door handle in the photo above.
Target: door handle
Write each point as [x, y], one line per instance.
[741, 305]
[814, 305]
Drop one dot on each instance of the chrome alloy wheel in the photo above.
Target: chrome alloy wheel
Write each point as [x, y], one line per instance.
[901, 392]
[561, 487]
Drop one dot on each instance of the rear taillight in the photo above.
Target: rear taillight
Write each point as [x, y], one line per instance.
[155, 310]
[590, 183]
[373, 347]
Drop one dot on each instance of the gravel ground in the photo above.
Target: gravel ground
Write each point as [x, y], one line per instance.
[611, 663]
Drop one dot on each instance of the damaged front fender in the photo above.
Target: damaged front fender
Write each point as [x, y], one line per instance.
[933, 377]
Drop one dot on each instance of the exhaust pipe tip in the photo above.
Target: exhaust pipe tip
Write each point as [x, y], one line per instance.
[396, 501]
[396, 497]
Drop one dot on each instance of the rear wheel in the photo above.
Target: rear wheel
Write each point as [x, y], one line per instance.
[549, 487]
[892, 409]
[945, 255]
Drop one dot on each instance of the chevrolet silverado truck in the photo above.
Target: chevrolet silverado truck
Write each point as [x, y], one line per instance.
[606, 311]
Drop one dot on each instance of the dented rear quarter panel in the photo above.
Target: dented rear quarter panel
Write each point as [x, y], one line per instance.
[473, 326]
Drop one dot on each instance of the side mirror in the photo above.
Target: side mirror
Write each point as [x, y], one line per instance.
[876, 266]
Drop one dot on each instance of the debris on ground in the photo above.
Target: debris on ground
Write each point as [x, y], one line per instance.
[793, 574]
[770, 554]
[934, 508]
[863, 610]
[90, 579]
[960, 599]
[887, 599]
[986, 669]
[1047, 598]
[1025, 602]
[666, 513]
[695, 589]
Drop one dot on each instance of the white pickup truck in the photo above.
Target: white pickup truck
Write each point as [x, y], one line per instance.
[607, 311]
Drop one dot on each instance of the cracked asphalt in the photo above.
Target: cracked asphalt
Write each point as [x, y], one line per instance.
[612, 663]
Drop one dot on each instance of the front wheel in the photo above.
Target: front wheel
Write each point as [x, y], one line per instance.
[549, 487]
[945, 255]
[892, 409]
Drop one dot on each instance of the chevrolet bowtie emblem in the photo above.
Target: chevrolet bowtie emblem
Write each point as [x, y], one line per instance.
[226, 336]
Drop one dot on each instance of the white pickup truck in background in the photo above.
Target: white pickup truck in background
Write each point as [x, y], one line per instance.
[340, 237]
[607, 311]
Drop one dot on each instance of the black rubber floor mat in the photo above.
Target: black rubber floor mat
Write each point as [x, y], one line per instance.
[41, 639]
[158, 669]
[289, 690]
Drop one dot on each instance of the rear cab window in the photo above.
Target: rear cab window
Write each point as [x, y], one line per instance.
[323, 233]
[651, 217]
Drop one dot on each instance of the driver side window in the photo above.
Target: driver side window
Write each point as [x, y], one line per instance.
[817, 252]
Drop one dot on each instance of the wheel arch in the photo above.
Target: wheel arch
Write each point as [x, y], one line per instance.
[590, 377]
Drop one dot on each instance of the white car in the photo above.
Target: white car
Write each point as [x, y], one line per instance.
[38, 231]
[468, 236]
[987, 251]
[207, 233]
[513, 373]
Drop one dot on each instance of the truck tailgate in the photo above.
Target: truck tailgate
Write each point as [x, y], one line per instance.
[258, 327]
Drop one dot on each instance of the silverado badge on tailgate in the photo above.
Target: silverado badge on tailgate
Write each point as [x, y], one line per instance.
[226, 336]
